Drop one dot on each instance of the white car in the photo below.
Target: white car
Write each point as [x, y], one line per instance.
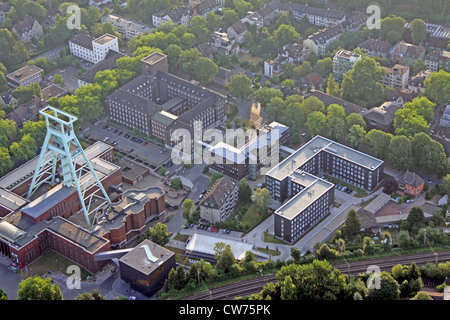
[105, 139]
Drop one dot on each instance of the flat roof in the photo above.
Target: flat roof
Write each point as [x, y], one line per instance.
[104, 39]
[76, 234]
[164, 117]
[172, 102]
[146, 257]
[24, 73]
[10, 200]
[154, 57]
[205, 244]
[316, 145]
[10, 232]
[304, 198]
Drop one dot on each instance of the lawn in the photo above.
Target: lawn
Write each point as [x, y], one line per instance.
[52, 261]
[272, 239]
[181, 237]
[270, 251]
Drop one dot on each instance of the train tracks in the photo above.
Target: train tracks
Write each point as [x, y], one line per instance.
[255, 285]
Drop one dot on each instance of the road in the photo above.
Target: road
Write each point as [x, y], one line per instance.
[255, 285]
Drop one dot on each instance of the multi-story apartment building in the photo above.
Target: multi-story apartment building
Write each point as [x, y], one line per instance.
[344, 61]
[222, 44]
[25, 76]
[417, 83]
[272, 68]
[310, 198]
[237, 32]
[396, 77]
[27, 29]
[218, 203]
[181, 15]
[93, 49]
[317, 16]
[376, 47]
[438, 60]
[126, 27]
[406, 54]
[293, 53]
[202, 8]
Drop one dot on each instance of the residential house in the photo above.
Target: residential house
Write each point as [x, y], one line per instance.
[126, 27]
[253, 18]
[344, 61]
[4, 9]
[202, 8]
[314, 80]
[222, 44]
[267, 14]
[27, 29]
[438, 60]
[206, 50]
[410, 183]
[181, 15]
[445, 119]
[223, 76]
[272, 68]
[376, 47]
[396, 77]
[293, 53]
[237, 32]
[406, 54]
[403, 95]
[417, 83]
[382, 117]
[218, 203]
[7, 98]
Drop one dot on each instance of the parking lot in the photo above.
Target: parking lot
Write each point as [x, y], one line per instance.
[126, 142]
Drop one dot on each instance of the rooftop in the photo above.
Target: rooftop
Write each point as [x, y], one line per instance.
[146, 257]
[154, 58]
[104, 39]
[319, 144]
[24, 73]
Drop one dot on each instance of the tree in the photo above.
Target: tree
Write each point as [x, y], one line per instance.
[355, 119]
[173, 55]
[325, 252]
[438, 87]
[379, 141]
[275, 109]
[187, 206]
[288, 83]
[7, 131]
[240, 86]
[176, 183]
[288, 289]
[264, 95]
[25, 149]
[408, 123]
[404, 240]
[296, 253]
[159, 234]
[3, 295]
[333, 87]
[229, 16]
[244, 191]
[352, 225]
[177, 278]
[213, 20]
[418, 30]
[36, 288]
[316, 122]
[214, 177]
[325, 66]
[303, 69]
[392, 29]
[337, 128]
[389, 289]
[262, 200]
[226, 259]
[362, 84]
[58, 79]
[95, 295]
[335, 110]
[418, 66]
[6, 162]
[400, 153]
[416, 219]
[205, 70]
[421, 296]
[356, 135]
[285, 34]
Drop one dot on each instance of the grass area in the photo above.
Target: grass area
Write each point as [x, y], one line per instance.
[180, 256]
[181, 237]
[272, 239]
[270, 251]
[248, 57]
[52, 261]
[337, 204]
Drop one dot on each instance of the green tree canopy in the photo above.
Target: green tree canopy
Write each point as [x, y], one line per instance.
[36, 288]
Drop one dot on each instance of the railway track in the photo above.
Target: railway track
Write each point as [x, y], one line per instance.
[255, 285]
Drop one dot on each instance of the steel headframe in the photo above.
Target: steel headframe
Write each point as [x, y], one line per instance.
[61, 145]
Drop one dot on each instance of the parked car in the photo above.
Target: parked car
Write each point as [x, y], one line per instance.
[191, 226]
[228, 231]
[197, 202]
